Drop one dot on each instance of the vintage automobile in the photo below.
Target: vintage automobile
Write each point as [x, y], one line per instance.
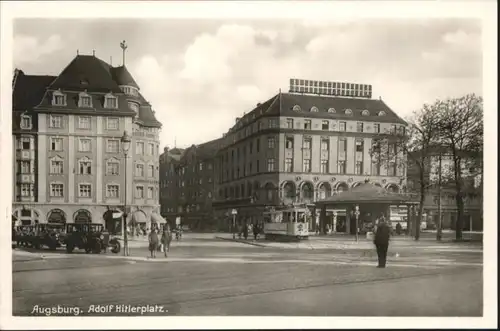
[22, 235]
[50, 235]
[91, 237]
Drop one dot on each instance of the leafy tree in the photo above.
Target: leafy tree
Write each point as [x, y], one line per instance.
[460, 123]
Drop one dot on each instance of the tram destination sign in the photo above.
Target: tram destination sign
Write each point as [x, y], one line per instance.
[319, 87]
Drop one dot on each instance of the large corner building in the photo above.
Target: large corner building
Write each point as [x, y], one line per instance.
[68, 163]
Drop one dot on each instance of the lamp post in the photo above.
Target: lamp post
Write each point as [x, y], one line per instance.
[125, 140]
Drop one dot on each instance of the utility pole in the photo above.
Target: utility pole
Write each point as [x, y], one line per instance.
[439, 234]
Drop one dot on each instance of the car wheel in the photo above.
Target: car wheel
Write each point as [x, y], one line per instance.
[115, 246]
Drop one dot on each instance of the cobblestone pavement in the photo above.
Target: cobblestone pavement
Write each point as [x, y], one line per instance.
[215, 276]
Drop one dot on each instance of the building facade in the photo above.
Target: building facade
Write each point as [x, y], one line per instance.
[68, 163]
[187, 181]
[298, 148]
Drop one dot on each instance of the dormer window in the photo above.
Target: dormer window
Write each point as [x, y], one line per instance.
[348, 112]
[296, 108]
[58, 98]
[84, 100]
[381, 113]
[25, 122]
[314, 109]
[110, 101]
[332, 110]
[365, 112]
[134, 107]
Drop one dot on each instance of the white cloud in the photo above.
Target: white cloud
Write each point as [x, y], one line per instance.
[29, 49]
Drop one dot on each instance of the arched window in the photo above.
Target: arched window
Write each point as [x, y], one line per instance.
[56, 216]
[314, 109]
[296, 108]
[82, 216]
[289, 190]
[381, 113]
[348, 112]
[324, 191]
[270, 189]
[307, 191]
[332, 110]
[365, 112]
[342, 187]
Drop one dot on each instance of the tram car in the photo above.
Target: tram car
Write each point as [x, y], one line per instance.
[287, 224]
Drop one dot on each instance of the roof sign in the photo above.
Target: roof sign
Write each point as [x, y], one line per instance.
[330, 88]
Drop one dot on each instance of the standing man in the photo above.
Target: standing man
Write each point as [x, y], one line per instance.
[381, 241]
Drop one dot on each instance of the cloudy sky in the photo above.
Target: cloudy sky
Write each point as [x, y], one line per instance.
[201, 74]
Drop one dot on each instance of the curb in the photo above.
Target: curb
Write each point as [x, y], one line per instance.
[241, 241]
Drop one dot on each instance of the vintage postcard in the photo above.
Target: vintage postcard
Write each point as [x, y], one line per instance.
[248, 164]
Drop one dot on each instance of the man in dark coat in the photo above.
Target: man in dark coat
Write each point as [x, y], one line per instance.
[381, 242]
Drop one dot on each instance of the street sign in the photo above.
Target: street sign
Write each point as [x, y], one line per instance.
[234, 212]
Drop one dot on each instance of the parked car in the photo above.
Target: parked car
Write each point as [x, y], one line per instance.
[50, 235]
[91, 237]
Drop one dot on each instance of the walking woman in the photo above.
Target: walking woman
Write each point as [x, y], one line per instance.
[166, 238]
[153, 242]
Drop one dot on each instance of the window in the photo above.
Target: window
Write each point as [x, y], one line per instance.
[113, 167]
[348, 112]
[332, 110]
[257, 166]
[381, 113]
[393, 128]
[84, 145]
[112, 191]
[139, 148]
[288, 165]
[113, 146]
[110, 102]
[341, 167]
[376, 128]
[342, 126]
[58, 99]
[209, 195]
[151, 171]
[359, 146]
[85, 167]
[289, 123]
[296, 108]
[25, 122]
[139, 170]
[26, 190]
[56, 190]
[324, 144]
[314, 109]
[306, 165]
[359, 127]
[307, 125]
[139, 192]
[200, 166]
[56, 166]
[25, 143]
[359, 168]
[272, 123]
[270, 142]
[342, 145]
[324, 125]
[324, 166]
[55, 121]
[84, 122]
[56, 144]
[85, 191]
[289, 142]
[306, 144]
[113, 123]
[150, 193]
[270, 164]
[85, 101]
[392, 171]
[365, 112]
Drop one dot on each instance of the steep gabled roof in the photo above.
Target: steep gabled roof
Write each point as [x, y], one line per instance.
[323, 103]
[86, 72]
[28, 91]
[123, 77]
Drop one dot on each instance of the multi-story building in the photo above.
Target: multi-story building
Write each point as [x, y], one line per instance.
[297, 148]
[472, 188]
[68, 160]
[188, 184]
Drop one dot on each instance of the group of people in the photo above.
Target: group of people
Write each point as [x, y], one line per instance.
[162, 243]
[245, 229]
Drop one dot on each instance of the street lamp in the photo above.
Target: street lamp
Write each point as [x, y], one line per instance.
[125, 140]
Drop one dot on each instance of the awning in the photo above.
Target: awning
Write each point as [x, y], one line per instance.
[155, 218]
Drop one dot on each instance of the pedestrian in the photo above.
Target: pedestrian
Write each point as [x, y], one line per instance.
[399, 228]
[153, 242]
[381, 241]
[245, 231]
[166, 239]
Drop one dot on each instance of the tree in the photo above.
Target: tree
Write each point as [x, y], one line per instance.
[460, 123]
[411, 150]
